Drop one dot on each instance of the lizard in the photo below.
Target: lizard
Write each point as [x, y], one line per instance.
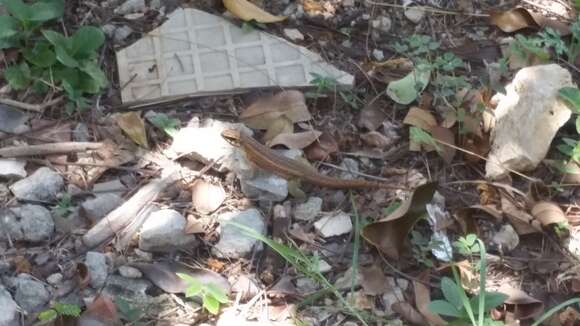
[267, 159]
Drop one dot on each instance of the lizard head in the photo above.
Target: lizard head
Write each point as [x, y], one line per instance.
[232, 136]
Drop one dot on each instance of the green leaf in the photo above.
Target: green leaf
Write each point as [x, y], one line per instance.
[451, 292]
[56, 39]
[572, 96]
[66, 59]
[492, 300]
[66, 309]
[211, 304]
[86, 40]
[92, 69]
[578, 124]
[8, 26]
[406, 90]
[217, 292]
[444, 308]
[40, 55]
[194, 286]
[46, 315]
[46, 10]
[18, 9]
[18, 76]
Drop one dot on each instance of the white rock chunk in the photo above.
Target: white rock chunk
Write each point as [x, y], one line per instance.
[293, 34]
[43, 185]
[308, 210]
[334, 225]
[527, 119]
[164, 231]
[8, 309]
[13, 169]
[27, 223]
[235, 243]
[96, 263]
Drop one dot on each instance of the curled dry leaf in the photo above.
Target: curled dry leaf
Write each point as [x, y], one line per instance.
[371, 117]
[389, 233]
[521, 304]
[102, 311]
[132, 124]
[248, 11]
[572, 174]
[519, 18]
[423, 299]
[373, 280]
[375, 139]
[297, 140]
[320, 150]
[445, 136]
[280, 125]
[408, 313]
[164, 276]
[548, 213]
[420, 118]
[522, 221]
[262, 113]
[206, 197]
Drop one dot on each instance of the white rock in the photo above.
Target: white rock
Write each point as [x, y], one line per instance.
[8, 309]
[348, 3]
[293, 34]
[130, 272]
[96, 208]
[507, 238]
[234, 242]
[96, 263]
[334, 225]
[527, 119]
[323, 266]
[415, 14]
[43, 185]
[308, 210]
[131, 6]
[11, 168]
[54, 279]
[27, 223]
[164, 231]
[30, 294]
[378, 54]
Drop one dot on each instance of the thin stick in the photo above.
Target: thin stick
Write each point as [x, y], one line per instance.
[426, 9]
[48, 149]
[30, 107]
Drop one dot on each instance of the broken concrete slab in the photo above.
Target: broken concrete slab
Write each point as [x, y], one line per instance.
[196, 53]
[527, 118]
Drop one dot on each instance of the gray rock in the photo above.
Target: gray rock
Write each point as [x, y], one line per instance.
[334, 225]
[382, 24]
[8, 309]
[13, 120]
[351, 167]
[26, 223]
[31, 294]
[530, 110]
[12, 169]
[96, 208]
[131, 6]
[293, 34]
[130, 272]
[308, 210]
[164, 231]
[81, 133]
[114, 185]
[98, 269]
[265, 186]
[54, 279]
[43, 185]
[134, 290]
[234, 243]
[378, 54]
[69, 222]
[122, 33]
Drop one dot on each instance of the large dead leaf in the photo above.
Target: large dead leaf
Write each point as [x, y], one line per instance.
[321, 149]
[102, 311]
[371, 117]
[373, 280]
[297, 140]
[375, 139]
[519, 18]
[548, 213]
[389, 234]
[522, 221]
[132, 124]
[164, 276]
[206, 197]
[423, 299]
[446, 136]
[281, 125]
[262, 113]
[420, 118]
[521, 304]
[248, 11]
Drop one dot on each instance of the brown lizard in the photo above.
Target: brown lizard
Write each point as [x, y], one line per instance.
[288, 168]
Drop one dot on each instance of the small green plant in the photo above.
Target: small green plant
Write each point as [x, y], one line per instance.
[570, 146]
[162, 121]
[51, 60]
[59, 310]
[326, 84]
[211, 295]
[63, 206]
[128, 312]
[456, 304]
[420, 136]
[467, 246]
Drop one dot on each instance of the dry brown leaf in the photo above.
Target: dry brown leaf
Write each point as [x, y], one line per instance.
[206, 197]
[22, 265]
[102, 311]
[320, 150]
[373, 280]
[479, 146]
[248, 11]
[522, 221]
[569, 317]
[444, 135]
[548, 213]
[389, 233]
[478, 51]
[83, 276]
[408, 313]
[423, 299]
[375, 139]
[468, 224]
[420, 118]
[297, 140]
[371, 117]
[572, 175]
[280, 125]
[262, 113]
[488, 194]
[133, 126]
[519, 18]
[522, 305]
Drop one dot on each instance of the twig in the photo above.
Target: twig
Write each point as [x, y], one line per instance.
[48, 149]
[30, 107]
[426, 9]
[99, 165]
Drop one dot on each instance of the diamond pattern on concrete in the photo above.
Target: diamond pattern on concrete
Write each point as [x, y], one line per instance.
[198, 53]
